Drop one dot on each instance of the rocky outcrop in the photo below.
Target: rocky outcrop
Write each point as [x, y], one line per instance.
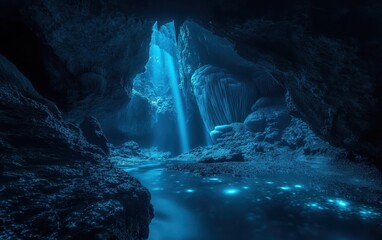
[90, 53]
[325, 54]
[55, 184]
[330, 85]
[91, 129]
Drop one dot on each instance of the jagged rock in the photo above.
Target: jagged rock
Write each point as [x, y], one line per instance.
[54, 183]
[92, 131]
[332, 82]
[90, 53]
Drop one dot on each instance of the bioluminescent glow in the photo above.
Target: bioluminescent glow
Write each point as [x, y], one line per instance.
[315, 206]
[231, 191]
[164, 72]
[255, 200]
[214, 179]
[339, 202]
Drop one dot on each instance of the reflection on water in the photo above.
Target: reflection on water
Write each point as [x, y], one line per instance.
[279, 207]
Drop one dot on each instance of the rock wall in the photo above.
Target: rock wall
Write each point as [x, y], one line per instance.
[329, 84]
[90, 52]
[55, 183]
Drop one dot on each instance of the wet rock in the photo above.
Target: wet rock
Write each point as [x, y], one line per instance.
[55, 184]
[219, 131]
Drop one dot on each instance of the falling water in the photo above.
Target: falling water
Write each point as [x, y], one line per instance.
[165, 72]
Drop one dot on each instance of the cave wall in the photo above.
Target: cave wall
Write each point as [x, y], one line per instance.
[324, 53]
[56, 182]
[87, 55]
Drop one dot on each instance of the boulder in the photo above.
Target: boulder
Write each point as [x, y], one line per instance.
[276, 117]
[91, 129]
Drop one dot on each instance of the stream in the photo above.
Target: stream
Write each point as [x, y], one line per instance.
[188, 206]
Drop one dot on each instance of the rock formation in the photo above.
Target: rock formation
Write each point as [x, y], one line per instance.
[55, 181]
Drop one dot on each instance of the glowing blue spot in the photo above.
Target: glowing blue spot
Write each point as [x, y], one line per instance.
[158, 189]
[245, 187]
[285, 188]
[231, 191]
[342, 203]
[366, 213]
[298, 186]
[190, 190]
[315, 206]
[331, 200]
[215, 179]
[270, 182]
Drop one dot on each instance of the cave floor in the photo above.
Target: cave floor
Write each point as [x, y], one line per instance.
[320, 202]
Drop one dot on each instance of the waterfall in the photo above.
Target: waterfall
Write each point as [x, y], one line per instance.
[163, 67]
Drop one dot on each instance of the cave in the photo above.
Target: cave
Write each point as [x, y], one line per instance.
[177, 120]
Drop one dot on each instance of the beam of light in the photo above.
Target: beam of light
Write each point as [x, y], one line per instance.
[164, 72]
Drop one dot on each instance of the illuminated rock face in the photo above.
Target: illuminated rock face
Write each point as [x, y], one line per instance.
[220, 97]
[223, 84]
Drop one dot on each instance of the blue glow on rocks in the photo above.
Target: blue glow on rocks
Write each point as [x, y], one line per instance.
[190, 190]
[298, 186]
